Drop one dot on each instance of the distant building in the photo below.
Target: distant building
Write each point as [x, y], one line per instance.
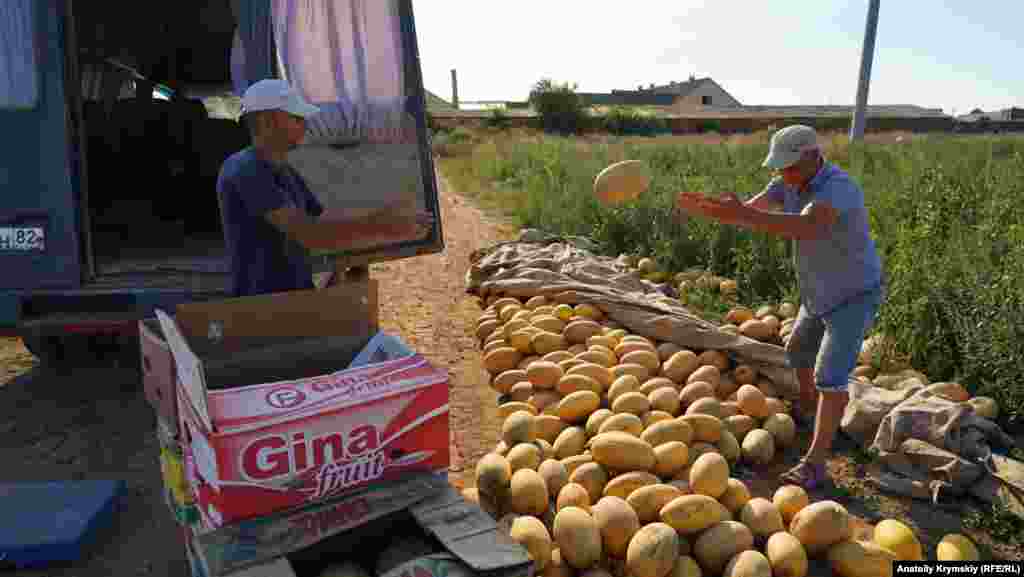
[812, 111]
[625, 98]
[697, 91]
[1007, 114]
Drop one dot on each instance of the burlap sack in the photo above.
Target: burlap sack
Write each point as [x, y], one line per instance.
[869, 405]
[948, 425]
[1003, 485]
[928, 440]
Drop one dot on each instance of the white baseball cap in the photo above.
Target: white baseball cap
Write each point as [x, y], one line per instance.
[788, 144]
[276, 94]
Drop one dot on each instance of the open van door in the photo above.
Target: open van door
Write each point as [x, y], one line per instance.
[368, 149]
[40, 243]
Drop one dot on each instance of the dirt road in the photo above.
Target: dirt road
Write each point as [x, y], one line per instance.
[95, 424]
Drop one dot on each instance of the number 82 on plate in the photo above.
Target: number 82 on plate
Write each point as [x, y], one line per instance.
[15, 238]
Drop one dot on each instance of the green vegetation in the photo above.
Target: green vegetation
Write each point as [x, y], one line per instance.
[946, 213]
[998, 521]
[560, 109]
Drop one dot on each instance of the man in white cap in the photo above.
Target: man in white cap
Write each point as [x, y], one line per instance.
[268, 210]
[839, 272]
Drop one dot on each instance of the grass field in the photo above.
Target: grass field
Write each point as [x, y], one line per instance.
[946, 214]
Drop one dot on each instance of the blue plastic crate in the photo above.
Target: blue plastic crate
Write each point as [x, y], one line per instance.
[52, 521]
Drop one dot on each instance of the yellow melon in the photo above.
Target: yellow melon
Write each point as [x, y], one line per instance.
[617, 522]
[786, 555]
[956, 547]
[578, 537]
[856, 558]
[789, 500]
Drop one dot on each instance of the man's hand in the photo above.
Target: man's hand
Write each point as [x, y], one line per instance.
[424, 224]
[325, 280]
[420, 224]
[728, 208]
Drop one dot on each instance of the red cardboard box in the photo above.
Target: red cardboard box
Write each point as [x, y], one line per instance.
[158, 372]
[262, 448]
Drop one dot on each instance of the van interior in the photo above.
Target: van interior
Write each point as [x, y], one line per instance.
[157, 120]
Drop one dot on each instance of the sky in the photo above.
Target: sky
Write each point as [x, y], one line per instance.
[950, 54]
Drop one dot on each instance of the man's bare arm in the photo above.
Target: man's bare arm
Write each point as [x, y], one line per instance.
[815, 222]
[341, 234]
[763, 201]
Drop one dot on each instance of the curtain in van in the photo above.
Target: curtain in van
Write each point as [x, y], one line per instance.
[238, 75]
[19, 73]
[255, 34]
[345, 56]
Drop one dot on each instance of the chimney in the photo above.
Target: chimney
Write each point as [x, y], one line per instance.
[455, 90]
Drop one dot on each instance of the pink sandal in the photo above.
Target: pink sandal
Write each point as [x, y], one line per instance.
[806, 474]
[804, 421]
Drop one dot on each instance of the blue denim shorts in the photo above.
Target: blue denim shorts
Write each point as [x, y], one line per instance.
[830, 343]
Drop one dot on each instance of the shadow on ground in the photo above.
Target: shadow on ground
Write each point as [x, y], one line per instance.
[94, 423]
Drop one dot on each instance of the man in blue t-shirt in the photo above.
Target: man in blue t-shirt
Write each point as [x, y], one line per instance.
[267, 209]
[839, 275]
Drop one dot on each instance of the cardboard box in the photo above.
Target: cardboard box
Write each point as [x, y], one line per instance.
[287, 322]
[254, 447]
[158, 371]
[357, 527]
[177, 491]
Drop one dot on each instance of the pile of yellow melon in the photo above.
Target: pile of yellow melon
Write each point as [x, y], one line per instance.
[578, 375]
[616, 455]
[769, 324]
[625, 510]
[611, 511]
[774, 324]
[765, 325]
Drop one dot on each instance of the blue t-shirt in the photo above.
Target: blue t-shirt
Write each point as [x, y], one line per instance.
[263, 259]
[843, 265]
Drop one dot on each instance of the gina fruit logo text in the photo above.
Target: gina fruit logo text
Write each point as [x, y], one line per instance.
[278, 456]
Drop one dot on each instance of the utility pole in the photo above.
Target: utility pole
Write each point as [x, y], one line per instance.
[455, 90]
[866, 57]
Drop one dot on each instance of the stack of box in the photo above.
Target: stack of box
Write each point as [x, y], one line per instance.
[289, 424]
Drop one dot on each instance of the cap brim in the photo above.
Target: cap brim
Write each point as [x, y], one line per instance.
[775, 162]
[304, 110]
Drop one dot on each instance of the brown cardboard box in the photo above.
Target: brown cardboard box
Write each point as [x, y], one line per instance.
[262, 337]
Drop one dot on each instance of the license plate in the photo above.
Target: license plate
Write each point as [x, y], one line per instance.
[28, 238]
